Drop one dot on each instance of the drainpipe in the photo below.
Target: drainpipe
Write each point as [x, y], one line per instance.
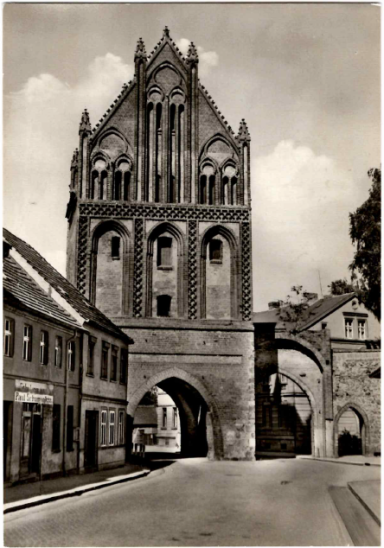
[66, 381]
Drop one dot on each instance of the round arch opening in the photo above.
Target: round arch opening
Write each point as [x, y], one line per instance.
[351, 432]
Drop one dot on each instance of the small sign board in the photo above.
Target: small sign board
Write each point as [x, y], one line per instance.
[33, 392]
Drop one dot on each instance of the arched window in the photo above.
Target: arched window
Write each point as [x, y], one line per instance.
[216, 251]
[121, 187]
[164, 252]
[225, 191]
[229, 185]
[98, 180]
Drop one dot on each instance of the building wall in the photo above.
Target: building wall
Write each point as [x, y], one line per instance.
[353, 387]
[99, 394]
[355, 311]
[16, 368]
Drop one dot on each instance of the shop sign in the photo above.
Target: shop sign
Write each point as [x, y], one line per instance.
[33, 392]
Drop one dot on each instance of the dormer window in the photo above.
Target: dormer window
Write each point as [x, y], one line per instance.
[164, 252]
[115, 247]
[216, 251]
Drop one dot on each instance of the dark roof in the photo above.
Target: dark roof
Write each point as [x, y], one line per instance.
[323, 308]
[145, 415]
[313, 314]
[20, 288]
[73, 297]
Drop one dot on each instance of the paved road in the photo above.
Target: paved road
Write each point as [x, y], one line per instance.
[199, 503]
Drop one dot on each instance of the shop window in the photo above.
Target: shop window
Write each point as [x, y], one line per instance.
[103, 425]
[164, 306]
[121, 426]
[58, 351]
[115, 247]
[361, 330]
[115, 352]
[27, 343]
[216, 251]
[91, 356]
[56, 428]
[8, 337]
[44, 347]
[70, 428]
[71, 356]
[123, 365]
[348, 328]
[112, 427]
[164, 252]
[104, 360]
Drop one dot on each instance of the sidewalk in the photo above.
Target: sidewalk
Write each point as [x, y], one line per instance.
[36, 493]
[358, 460]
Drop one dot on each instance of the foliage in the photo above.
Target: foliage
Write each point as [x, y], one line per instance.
[349, 444]
[150, 398]
[365, 232]
[340, 287]
[292, 310]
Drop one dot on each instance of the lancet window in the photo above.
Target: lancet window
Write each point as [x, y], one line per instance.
[122, 181]
[98, 182]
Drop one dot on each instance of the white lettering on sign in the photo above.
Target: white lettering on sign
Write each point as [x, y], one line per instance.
[27, 397]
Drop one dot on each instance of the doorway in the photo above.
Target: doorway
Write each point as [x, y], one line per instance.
[90, 446]
[31, 439]
[351, 431]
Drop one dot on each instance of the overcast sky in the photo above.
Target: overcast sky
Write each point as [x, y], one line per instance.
[305, 77]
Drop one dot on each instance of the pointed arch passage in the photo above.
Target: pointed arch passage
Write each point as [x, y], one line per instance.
[358, 441]
[199, 417]
[219, 279]
[166, 270]
[109, 271]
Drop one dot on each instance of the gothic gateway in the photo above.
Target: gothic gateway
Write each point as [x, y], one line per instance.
[159, 240]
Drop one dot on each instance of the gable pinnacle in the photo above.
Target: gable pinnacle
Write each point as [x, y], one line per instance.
[166, 32]
[192, 56]
[243, 134]
[85, 124]
[140, 52]
[75, 159]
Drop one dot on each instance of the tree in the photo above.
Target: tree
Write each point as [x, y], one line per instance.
[340, 287]
[365, 232]
[293, 310]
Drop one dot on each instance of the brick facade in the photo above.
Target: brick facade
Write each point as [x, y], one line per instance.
[164, 173]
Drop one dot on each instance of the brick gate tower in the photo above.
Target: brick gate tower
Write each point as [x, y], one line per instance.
[159, 239]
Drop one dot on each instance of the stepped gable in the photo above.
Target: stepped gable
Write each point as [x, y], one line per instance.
[73, 297]
[20, 289]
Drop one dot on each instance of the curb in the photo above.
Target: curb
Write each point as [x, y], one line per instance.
[366, 506]
[335, 461]
[76, 492]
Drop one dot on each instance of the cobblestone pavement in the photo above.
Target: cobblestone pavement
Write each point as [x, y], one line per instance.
[199, 503]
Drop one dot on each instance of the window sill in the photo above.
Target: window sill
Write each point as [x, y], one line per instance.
[104, 379]
[115, 258]
[91, 375]
[113, 380]
[216, 261]
[160, 267]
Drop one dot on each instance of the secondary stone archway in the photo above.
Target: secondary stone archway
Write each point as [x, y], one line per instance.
[201, 433]
[364, 429]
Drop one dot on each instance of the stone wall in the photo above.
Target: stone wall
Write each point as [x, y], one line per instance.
[353, 387]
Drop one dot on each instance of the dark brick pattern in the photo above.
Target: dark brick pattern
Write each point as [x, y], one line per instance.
[246, 281]
[82, 255]
[165, 212]
[192, 270]
[138, 269]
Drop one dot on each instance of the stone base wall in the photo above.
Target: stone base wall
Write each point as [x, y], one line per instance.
[353, 387]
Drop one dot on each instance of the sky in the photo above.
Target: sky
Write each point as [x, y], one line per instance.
[306, 78]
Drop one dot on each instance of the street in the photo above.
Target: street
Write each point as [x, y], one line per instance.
[196, 502]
